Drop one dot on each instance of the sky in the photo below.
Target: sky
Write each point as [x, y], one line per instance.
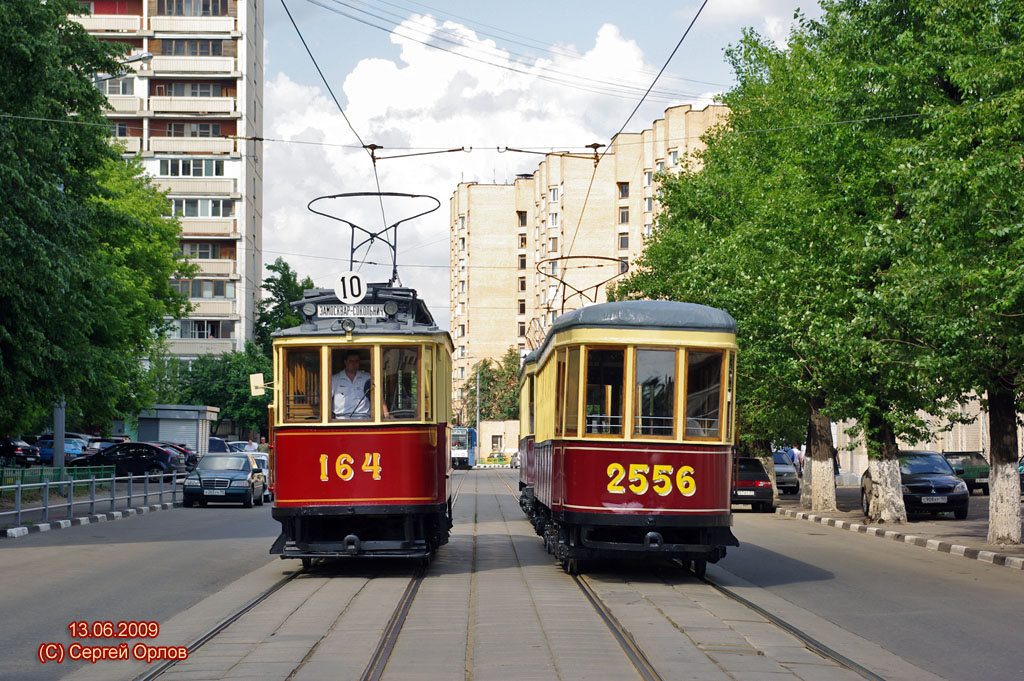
[478, 76]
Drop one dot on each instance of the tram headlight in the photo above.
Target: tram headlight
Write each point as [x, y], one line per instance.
[309, 309]
[347, 325]
[390, 308]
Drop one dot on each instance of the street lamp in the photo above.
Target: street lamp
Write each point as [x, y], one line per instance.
[142, 56]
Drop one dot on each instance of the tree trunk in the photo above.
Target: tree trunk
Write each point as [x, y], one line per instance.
[818, 461]
[762, 449]
[886, 501]
[1004, 517]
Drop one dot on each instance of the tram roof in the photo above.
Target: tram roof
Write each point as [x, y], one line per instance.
[323, 314]
[647, 314]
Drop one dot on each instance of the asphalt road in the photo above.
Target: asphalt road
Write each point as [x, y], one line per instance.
[958, 618]
[146, 568]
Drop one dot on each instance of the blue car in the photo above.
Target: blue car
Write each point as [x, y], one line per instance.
[226, 478]
[73, 448]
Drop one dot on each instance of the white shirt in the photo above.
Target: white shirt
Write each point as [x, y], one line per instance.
[349, 395]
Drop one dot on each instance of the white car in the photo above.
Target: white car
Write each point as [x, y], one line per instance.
[263, 459]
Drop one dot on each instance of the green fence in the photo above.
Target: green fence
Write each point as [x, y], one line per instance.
[28, 476]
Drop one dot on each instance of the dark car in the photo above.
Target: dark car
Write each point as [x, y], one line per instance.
[96, 444]
[786, 478]
[135, 458]
[190, 457]
[218, 446]
[974, 469]
[15, 452]
[226, 478]
[929, 485]
[751, 485]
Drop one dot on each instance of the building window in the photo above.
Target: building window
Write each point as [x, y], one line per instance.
[522, 217]
[203, 208]
[191, 48]
[554, 193]
[192, 8]
[553, 220]
[522, 306]
[172, 167]
[623, 216]
[204, 288]
[661, 166]
[462, 222]
[462, 372]
[522, 283]
[623, 265]
[623, 239]
[649, 204]
[673, 157]
[117, 86]
[648, 178]
[522, 262]
[208, 251]
[648, 228]
[554, 267]
[193, 129]
[623, 190]
[522, 241]
[522, 329]
[496, 443]
[462, 286]
[194, 90]
[553, 244]
[205, 328]
[462, 243]
[462, 330]
[120, 129]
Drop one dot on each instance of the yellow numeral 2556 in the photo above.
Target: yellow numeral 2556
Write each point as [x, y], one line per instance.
[660, 479]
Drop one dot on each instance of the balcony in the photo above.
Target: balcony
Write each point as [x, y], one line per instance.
[125, 103]
[111, 23]
[200, 227]
[187, 145]
[165, 65]
[220, 268]
[212, 308]
[192, 104]
[200, 346]
[132, 145]
[192, 24]
[195, 185]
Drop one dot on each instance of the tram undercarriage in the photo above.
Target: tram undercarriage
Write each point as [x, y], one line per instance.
[361, 532]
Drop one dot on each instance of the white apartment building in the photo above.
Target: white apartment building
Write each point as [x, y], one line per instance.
[190, 112]
[515, 248]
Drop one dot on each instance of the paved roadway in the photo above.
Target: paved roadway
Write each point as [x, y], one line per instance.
[960, 619]
[143, 568]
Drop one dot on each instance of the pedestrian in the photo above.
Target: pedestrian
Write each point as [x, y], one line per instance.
[835, 460]
[263, 446]
[250, 446]
[798, 460]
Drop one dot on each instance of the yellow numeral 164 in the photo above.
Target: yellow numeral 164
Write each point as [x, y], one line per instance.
[343, 466]
[660, 479]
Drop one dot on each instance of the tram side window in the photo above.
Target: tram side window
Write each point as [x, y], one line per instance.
[605, 377]
[703, 393]
[428, 383]
[302, 384]
[654, 394]
[351, 384]
[559, 391]
[401, 382]
[572, 392]
[530, 402]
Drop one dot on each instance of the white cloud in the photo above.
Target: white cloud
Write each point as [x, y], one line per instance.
[771, 18]
[428, 98]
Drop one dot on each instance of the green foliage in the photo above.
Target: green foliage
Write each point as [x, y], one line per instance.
[223, 381]
[87, 247]
[499, 389]
[274, 312]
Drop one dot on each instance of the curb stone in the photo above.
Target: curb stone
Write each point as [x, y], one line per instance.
[13, 532]
[1013, 562]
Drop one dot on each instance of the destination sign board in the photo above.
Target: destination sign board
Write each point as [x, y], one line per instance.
[323, 311]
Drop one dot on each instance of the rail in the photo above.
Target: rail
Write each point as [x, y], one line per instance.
[57, 492]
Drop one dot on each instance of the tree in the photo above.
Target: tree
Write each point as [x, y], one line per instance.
[499, 389]
[276, 312]
[223, 381]
[88, 249]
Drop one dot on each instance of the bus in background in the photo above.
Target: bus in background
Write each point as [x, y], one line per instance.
[463, 447]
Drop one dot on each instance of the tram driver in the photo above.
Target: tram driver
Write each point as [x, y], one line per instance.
[351, 389]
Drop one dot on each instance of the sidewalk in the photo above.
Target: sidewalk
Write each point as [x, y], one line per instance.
[966, 538]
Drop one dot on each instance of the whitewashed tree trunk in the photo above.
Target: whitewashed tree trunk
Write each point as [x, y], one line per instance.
[806, 497]
[886, 492]
[819, 475]
[769, 467]
[823, 491]
[1004, 504]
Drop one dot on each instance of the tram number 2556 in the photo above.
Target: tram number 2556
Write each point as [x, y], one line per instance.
[659, 478]
[343, 466]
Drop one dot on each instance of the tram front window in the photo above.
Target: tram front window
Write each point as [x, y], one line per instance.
[703, 393]
[351, 384]
[401, 382]
[605, 376]
[654, 396]
[302, 384]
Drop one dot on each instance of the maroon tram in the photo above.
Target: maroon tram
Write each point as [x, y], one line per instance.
[627, 428]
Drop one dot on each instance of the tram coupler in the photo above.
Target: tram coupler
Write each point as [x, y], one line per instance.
[653, 541]
[352, 544]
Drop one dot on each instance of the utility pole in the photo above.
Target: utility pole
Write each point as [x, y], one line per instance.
[478, 400]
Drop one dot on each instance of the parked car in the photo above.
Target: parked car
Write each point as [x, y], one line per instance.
[751, 485]
[135, 458]
[238, 445]
[217, 446]
[263, 461]
[786, 478]
[16, 452]
[73, 449]
[929, 485]
[513, 461]
[190, 457]
[1020, 468]
[226, 478]
[971, 467]
[95, 444]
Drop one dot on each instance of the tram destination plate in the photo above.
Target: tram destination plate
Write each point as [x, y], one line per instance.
[350, 311]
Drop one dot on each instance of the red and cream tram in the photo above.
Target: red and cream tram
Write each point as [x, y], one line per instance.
[527, 418]
[630, 447]
[361, 436]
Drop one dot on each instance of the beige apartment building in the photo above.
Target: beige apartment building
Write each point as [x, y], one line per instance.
[526, 252]
[190, 108]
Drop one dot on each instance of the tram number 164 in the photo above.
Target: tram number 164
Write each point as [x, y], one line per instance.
[343, 466]
[660, 480]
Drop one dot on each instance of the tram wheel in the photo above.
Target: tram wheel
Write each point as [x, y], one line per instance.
[572, 566]
[700, 568]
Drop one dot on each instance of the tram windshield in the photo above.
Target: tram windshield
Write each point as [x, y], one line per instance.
[703, 393]
[351, 383]
[654, 396]
[605, 377]
[400, 373]
[302, 384]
